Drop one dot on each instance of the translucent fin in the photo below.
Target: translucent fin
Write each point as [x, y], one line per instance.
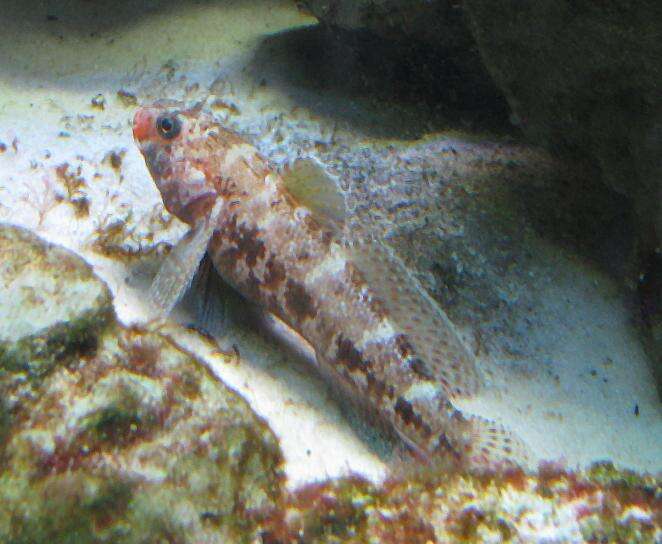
[311, 186]
[177, 271]
[417, 315]
[205, 300]
[493, 446]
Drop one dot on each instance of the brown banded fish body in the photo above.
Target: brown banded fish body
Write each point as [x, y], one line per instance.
[378, 337]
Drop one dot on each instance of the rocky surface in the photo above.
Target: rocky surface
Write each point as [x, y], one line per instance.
[123, 437]
[438, 22]
[583, 78]
[51, 305]
[602, 505]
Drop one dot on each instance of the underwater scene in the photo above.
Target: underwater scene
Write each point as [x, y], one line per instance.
[330, 271]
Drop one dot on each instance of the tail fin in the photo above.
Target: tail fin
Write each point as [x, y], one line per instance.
[493, 446]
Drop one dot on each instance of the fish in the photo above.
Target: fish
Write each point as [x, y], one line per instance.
[287, 243]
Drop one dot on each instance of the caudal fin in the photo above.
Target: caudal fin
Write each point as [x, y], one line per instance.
[494, 446]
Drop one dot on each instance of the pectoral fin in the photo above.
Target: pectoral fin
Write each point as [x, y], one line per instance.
[311, 186]
[177, 271]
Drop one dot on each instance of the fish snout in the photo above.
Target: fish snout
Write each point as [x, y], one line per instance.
[143, 125]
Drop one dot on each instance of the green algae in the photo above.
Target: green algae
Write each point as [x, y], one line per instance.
[37, 354]
[605, 473]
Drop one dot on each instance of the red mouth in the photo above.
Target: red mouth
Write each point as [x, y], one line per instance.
[143, 124]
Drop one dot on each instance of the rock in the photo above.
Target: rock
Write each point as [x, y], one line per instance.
[584, 79]
[437, 22]
[51, 304]
[394, 54]
[133, 441]
[430, 507]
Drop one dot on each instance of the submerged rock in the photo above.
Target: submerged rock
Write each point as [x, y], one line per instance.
[438, 22]
[51, 305]
[132, 441]
[602, 505]
[585, 79]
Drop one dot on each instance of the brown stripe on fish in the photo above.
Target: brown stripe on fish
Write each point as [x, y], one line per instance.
[275, 273]
[348, 356]
[405, 410]
[298, 302]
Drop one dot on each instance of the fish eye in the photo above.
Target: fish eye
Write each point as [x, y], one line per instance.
[168, 126]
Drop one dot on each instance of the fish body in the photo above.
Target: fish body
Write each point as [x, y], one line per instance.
[378, 338]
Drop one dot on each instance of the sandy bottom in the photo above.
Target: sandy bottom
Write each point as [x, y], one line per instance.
[71, 76]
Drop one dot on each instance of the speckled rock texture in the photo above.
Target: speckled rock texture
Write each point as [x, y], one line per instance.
[603, 505]
[51, 305]
[123, 437]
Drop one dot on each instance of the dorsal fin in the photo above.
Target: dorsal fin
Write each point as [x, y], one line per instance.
[426, 325]
[311, 186]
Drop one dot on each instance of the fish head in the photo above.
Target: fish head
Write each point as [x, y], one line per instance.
[175, 145]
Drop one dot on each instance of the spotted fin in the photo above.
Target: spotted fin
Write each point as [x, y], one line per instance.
[179, 268]
[311, 186]
[417, 315]
[494, 446]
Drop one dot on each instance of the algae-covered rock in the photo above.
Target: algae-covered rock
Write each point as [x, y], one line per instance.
[602, 505]
[138, 443]
[134, 441]
[51, 304]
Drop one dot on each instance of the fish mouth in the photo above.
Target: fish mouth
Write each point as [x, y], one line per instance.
[143, 123]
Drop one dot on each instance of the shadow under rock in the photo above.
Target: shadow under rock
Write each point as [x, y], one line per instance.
[383, 88]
